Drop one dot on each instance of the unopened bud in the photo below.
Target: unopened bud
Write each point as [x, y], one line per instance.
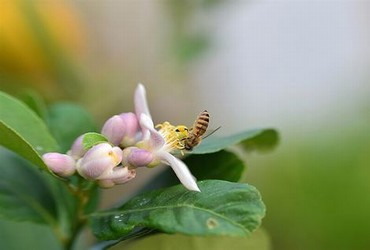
[114, 129]
[119, 175]
[136, 157]
[60, 164]
[77, 149]
[131, 129]
[98, 161]
[121, 129]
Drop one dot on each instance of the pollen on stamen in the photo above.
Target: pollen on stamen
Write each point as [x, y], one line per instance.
[172, 140]
[169, 134]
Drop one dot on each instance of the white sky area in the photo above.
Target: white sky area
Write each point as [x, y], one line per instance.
[298, 65]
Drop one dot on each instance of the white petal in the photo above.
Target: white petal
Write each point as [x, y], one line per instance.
[146, 122]
[146, 125]
[141, 105]
[120, 175]
[156, 141]
[116, 172]
[180, 169]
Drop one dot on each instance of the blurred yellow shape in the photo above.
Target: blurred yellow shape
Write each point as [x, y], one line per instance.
[33, 33]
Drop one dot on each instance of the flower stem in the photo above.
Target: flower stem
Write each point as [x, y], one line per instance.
[82, 195]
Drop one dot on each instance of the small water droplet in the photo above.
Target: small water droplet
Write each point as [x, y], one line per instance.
[116, 217]
[39, 148]
[143, 202]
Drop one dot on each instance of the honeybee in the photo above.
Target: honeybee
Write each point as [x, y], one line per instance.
[195, 133]
[189, 138]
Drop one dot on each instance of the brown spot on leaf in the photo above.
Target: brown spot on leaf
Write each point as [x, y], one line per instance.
[212, 223]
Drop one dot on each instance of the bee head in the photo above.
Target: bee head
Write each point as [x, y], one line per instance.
[181, 131]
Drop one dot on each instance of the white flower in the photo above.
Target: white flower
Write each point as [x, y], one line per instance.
[142, 145]
[159, 144]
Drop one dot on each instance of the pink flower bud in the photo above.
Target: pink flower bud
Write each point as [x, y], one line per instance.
[114, 129]
[136, 157]
[98, 161]
[121, 129]
[131, 129]
[77, 149]
[60, 164]
[119, 175]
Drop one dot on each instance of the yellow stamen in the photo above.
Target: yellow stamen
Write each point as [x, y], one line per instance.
[173, 135]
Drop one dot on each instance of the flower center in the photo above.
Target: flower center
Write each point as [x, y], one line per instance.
[173, 135]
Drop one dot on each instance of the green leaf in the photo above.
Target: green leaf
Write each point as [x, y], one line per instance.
[68, 121]
[35, 102]
[23, 132]
[221, 165]
[33, 236]
[91, 139]
[67, 205]
[265, 141]
[24, 195]
[222, 208]
[257, 139]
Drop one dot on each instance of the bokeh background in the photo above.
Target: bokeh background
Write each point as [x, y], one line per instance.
[298, 66]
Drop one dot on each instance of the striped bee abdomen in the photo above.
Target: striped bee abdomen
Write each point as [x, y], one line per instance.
[201, 124]
[199, 128]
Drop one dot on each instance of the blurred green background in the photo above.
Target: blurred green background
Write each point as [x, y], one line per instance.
[301, 67]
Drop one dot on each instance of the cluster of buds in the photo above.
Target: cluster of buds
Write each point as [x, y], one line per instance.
[132, 142]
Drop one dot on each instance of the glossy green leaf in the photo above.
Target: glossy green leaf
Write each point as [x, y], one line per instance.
[24, 195]
[265, 141]
[23, 132]
[257, 139]
[222, 208]
[221, 165]
[91, 139]
[68, 121]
